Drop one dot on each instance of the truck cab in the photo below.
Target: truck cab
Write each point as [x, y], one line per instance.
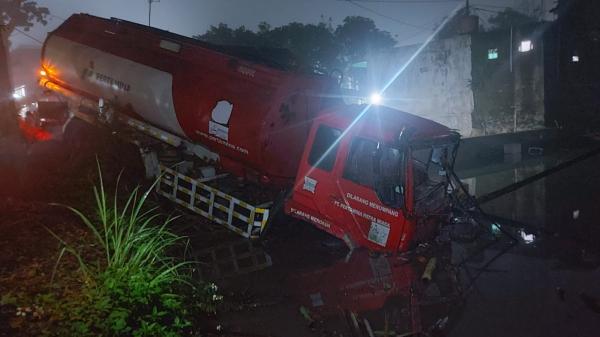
[375, 177]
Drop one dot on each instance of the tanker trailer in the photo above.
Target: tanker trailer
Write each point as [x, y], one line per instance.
[233, 133]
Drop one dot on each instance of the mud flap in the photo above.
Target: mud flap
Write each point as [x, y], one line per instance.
[277, 214]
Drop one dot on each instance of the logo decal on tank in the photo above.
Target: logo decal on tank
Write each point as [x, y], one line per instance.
[219, 123]
[218, 126]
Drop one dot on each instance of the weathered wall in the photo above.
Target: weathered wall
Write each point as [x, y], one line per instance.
[453, 82]
[435, 85]
[508, 90]
[574, 102]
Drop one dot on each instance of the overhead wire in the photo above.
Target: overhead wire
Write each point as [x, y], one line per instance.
[402, 22]
[497, 6]
[412, 1]
[56, 16]
[34, 38]
[29, 36]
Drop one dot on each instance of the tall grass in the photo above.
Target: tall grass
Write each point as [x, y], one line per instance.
[135, 288]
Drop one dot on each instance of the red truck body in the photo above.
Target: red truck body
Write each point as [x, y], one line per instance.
[265, 123]
[185, 80]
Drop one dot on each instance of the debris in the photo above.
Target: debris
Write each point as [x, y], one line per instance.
[535, 151]
[316, 299]
[306, 314]
[560, 292]
[429, 268]
[355, 322]
[432, 290]
[368, 327]
[440, 324]
[593, 303]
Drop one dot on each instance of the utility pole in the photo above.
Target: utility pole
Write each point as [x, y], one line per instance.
[467, 9]
[150, 2]
[8, 117]
[542, 10]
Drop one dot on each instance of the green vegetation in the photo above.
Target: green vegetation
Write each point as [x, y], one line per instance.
[130, 285]
[319, 48]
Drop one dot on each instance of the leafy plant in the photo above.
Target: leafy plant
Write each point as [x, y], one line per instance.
[136, 288]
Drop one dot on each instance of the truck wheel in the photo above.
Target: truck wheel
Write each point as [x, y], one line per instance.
[75, 133]
[78, 138]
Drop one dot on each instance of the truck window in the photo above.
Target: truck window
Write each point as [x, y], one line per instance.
[359, 165]
[325, 147]
[390, 182]
[379, 167]
[429, 176]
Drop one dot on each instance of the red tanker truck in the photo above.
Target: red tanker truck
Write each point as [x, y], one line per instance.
[235, 134]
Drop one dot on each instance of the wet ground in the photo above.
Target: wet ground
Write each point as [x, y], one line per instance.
[301, 282]
[548, 285]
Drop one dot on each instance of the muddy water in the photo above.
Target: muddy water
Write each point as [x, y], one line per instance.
[546, 285]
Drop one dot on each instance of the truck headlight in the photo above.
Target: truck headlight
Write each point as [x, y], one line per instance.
[375, 98]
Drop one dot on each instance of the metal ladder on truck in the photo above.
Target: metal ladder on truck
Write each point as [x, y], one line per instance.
[194, 194]
[239, 216]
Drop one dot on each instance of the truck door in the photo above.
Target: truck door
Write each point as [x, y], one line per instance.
[371, 184]
[315, 188]
[353, 188]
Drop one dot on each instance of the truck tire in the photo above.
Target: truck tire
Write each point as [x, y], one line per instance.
[76, 133]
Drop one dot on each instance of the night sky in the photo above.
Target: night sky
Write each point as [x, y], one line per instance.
[410, 21]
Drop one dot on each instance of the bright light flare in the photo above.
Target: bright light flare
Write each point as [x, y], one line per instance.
[375, 98]
[43, 73]
[388, 84]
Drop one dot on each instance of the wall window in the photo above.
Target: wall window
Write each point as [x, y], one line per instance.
[19, 92]
[525, 46]
[492, 53]
[324, 148]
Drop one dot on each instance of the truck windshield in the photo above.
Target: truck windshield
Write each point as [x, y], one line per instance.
[379, 167]
[391, 177]
[430, 165]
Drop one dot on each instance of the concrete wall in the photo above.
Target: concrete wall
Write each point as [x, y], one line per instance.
[452, 81]
[508, 90]
[435, 85]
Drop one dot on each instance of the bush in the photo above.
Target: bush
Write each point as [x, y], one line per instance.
[135, 288]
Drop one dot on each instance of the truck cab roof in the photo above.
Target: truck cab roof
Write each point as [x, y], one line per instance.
[382, 122]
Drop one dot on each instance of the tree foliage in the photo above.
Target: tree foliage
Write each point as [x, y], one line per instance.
[22, 13]
[316, 47]
[358, 36]
[509, 17]
[15, 13]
